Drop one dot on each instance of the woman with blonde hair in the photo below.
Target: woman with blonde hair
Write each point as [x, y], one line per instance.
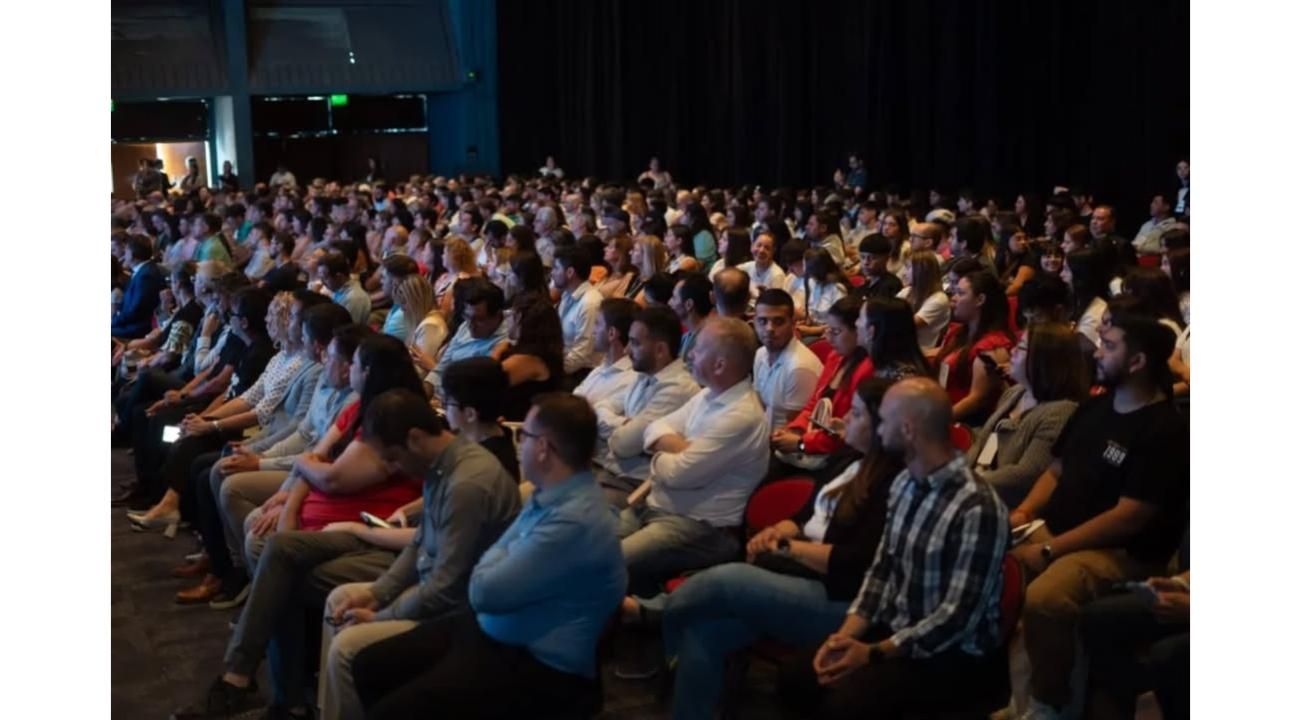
[458, 256]
[414, 295]
[649, 256]
[926, 296]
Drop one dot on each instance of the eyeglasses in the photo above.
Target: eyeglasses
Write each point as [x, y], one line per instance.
[535, 436]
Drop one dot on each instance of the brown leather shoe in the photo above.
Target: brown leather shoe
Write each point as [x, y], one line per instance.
[192, 569]
[201, 593]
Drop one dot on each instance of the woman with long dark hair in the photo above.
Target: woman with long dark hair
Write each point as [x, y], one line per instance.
[734, 245]
[1015, 259]
[799, 576]
[1088, 275]
[980, 326]
[534, 359]
[823, 286]
[703, 241]
[1051, 378]
[681, 249]
[930, 305]
[526, 276]
[893, 225]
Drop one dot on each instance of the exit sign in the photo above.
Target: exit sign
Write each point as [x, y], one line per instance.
[338, 100]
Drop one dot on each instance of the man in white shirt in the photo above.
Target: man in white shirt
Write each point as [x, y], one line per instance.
[785, 370]
[613, 322]
[282, 178]
[708, 457]
[763, 271]
[660, 384]
[579, 305]
[678, 210]
[1162, 220]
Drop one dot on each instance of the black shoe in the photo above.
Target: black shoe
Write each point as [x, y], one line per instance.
[223, 700]
[280, 712]
[129, 493]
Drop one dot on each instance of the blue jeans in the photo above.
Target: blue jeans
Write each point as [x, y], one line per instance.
[659, 545]
[727, 608]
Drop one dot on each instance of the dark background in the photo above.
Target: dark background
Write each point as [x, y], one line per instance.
[1001, 95]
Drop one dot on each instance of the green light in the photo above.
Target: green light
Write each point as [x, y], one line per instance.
[112, 105]
[338, 100]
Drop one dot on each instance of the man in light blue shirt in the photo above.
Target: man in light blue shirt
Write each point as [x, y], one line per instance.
[482, 330]
[336, 273]
[579, 305]
[539, 598]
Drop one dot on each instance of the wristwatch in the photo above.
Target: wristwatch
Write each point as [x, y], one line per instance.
[783, 546]
[1046, 552]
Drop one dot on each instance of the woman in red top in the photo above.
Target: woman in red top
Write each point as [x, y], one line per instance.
[354, 478]
[980, 326]
[843, 370]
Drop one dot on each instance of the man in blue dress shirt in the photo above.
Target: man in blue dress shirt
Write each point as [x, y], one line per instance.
[539, 598]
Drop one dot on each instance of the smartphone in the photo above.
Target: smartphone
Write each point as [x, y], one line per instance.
[1141, 588]
[374, 522]
[171, 433]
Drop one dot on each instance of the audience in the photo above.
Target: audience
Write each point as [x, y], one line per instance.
[269, 421]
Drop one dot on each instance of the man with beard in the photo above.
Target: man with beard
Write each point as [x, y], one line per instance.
[1114, 500]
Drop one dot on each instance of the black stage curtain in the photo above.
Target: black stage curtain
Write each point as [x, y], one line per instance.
[1001, 95]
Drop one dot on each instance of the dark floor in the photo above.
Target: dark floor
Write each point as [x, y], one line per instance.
[164, 655]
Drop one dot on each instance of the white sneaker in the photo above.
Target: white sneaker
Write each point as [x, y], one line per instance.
[1040, 711]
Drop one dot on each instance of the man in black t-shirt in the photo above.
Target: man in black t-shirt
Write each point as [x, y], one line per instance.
[874, 251]
[1114, 500]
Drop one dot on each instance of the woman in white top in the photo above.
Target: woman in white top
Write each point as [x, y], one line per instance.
[928, 300]
[762, 270]
[894, 227]
[414, 295]
[823, 285]
[661, 178]
[1086, 274]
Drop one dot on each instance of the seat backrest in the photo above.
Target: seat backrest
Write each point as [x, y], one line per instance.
[1013, 596]
[960, 437]
[777, 501]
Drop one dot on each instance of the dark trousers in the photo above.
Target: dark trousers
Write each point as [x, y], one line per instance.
[287, 579]
[900, 687]
[1129, 653]
[452, 668]
[179, 465]
[208, 520]
[146, 440]
[148, 387]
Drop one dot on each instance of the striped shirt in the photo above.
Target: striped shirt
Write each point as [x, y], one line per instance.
[937, 575]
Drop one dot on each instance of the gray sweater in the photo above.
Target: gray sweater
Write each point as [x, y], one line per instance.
[469, 500]
[1024, 446]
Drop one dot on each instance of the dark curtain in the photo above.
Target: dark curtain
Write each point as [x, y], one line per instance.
[1001, 95]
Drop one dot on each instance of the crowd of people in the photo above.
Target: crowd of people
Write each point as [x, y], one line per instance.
[463, 435]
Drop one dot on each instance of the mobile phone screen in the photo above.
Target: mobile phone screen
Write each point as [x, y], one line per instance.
[171, 433]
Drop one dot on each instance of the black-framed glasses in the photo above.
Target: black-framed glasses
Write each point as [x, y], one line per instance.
[536, 436]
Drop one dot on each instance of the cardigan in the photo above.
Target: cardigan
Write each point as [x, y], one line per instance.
[1024, 446]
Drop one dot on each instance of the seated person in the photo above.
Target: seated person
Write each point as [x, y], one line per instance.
[164, 346]
[614, 373]
[426, 332]
[483, 330]
[249, 394]
[785, 370]
[709, 455]
[845, 367]
[579, 305]
[800, 574]
[823, 285]
[534, 358]
[980, 325]
[1114, 499]
[1140, 640]
[285, 274]
[692, 300]
[317, 326]
[475, 391]
[660, 386]
[141, 297]
[392, 272]
[469, 500]
[335, 272]
[763, 271]
[927, 613]
[539, 598]
[329, 497]
[1014, 446]
[731, 293]
[878, 281]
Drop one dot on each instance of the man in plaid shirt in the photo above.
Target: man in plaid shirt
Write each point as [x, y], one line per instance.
[923, 633]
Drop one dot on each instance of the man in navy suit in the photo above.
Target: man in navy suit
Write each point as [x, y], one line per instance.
[135, 318]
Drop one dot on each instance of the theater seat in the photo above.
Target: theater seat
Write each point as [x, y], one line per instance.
[960, 437]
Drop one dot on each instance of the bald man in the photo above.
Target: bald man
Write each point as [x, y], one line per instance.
[708, 456]
[927, 615]
[731, 293]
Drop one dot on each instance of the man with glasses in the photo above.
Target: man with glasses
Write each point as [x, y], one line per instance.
[482, 330]
[539, 598]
